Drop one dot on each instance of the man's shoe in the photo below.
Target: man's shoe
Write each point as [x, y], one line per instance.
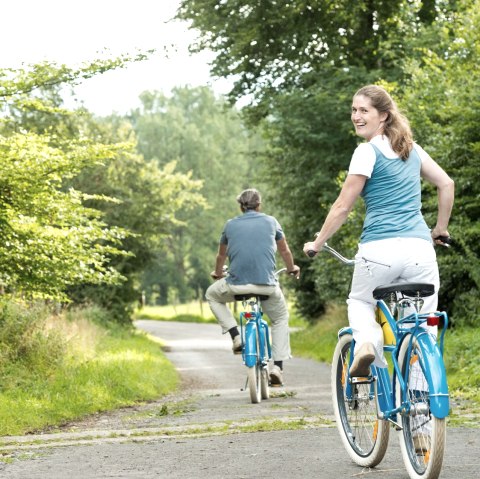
[237, 345]
[362, 360]
[422, 444]
[276, 376]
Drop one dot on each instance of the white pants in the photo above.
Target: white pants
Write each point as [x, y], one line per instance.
[275, 307]
[395, 260]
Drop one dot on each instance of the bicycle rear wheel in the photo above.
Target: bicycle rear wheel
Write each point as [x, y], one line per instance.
[422, 439]
[264, 380]
[364, 436]
[254, 383]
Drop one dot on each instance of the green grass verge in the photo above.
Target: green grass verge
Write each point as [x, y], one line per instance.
[194, 312]
[119, 368]
[462, 360]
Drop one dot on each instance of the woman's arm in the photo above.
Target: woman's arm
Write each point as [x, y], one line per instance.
[436, 175]
[339, 211]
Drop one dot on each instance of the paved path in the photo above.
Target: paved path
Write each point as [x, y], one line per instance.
[211, 430]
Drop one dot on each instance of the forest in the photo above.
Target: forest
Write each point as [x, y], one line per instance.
[127, 208]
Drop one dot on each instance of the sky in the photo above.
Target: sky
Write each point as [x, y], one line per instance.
[74, 32]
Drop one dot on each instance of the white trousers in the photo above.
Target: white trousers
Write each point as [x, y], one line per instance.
[395, 260]
[275, 307]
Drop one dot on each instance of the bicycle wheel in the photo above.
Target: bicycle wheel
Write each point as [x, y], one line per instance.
[364, 436]
[254, 374]
[264, 379]
[254, 380]
[422, 439]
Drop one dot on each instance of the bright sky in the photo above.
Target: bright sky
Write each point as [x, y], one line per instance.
[74, 32]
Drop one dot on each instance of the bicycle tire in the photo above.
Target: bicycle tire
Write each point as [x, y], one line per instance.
[264, 383]
[254, 375]
[426, 430]
[364, 436]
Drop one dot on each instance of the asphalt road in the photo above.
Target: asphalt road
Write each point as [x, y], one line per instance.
[211, 430]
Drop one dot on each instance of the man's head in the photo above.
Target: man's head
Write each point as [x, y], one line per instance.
[249, 199]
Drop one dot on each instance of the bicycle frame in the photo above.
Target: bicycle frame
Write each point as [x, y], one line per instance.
[255, 325]
[431, 363]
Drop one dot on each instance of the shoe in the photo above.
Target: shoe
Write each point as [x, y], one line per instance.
[362, 360]
[422, 444]
[237, 344]
[276, 376]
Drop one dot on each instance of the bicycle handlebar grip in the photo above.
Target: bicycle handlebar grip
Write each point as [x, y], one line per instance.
[311, 253]
[447, 240]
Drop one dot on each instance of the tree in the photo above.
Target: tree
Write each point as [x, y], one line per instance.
[443, 100]
[80, 211]
[208, 140]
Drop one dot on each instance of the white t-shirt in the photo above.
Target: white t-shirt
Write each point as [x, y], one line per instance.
[363, 158]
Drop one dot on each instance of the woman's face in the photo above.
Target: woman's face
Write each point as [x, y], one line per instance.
[368, 121]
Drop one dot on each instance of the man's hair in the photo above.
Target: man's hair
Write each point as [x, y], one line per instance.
[249, 199]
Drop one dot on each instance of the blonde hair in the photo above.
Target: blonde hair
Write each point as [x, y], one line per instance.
[396, 126]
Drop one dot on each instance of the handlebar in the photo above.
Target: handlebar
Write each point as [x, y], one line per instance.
[446, 240]
[333, 252]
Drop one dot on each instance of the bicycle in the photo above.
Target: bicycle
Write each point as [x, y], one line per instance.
[257, 351]
[414, 398]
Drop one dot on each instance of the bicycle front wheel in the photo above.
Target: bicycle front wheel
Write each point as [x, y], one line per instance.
[422, 438]
[364, 436]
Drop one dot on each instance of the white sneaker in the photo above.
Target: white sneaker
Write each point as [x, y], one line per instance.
[276, 376]
[237, 345]
[364, 357]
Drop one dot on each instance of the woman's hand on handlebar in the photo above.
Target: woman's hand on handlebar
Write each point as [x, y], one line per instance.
[441, 238]
[311, 249]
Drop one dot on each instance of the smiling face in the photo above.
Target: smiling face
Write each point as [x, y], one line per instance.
[368, 121]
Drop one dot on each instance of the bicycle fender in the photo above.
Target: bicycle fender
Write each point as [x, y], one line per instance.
[435, 375]
[344, 331]
[250, 344]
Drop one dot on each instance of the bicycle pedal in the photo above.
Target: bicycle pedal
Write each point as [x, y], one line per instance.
[362, 379]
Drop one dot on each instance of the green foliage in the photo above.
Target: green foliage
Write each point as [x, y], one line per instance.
[81, 214]
[48, 239]
[270, 46]
[310, 142]
[208, 141]
[443, 100]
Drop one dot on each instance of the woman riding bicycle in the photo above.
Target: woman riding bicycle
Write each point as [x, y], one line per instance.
[396, 244]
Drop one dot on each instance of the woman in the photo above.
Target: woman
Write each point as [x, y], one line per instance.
[396, 244]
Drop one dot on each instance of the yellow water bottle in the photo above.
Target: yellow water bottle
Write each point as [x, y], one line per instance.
[388, 336]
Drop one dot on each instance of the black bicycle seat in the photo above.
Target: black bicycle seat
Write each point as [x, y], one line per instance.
[244, 297]
[408, 289]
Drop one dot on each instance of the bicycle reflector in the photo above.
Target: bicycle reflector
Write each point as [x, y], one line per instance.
[248, 315]
[433, 320]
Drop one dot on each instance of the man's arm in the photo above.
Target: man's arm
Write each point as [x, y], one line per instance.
[220, 261]
[287, 257]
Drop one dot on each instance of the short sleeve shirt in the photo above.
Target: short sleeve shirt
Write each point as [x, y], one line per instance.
[392, 192]
[251, 241]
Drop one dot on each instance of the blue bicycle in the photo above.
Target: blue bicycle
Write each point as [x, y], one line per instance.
[256, 352]
[413, 397]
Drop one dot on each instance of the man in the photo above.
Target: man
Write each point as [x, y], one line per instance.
[250, 242]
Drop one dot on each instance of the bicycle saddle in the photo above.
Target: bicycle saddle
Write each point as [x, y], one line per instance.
[244, 297]
[408, 289]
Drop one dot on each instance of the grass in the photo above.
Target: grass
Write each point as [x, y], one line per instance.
[462, 360]
[101, 369]
[198, 312]
[193, 312]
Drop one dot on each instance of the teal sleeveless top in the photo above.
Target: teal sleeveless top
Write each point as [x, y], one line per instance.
[392, 198]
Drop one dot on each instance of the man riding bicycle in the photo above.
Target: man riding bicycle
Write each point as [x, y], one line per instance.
[250, 242]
